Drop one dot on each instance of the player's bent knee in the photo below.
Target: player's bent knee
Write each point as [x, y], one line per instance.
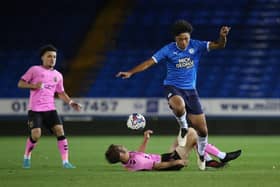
[58, 130]
[191, 138]
[35, 137]
[36, 134]
[192, 134]
[177, 104]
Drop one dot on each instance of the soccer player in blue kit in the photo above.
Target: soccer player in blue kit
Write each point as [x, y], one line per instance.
[182, 60]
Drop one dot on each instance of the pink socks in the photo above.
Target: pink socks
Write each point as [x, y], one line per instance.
[63, 149]
[211, 149]
[30, 144]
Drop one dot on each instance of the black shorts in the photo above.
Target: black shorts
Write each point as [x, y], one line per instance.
[46, 119]
[166, 157]
[190, 97]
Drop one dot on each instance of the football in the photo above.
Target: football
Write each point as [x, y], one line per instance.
[136, 121]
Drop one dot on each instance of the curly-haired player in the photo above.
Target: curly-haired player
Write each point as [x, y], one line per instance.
[182, 59]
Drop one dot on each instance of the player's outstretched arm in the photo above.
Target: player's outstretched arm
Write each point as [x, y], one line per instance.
[147, 136]
[141, 67]
[64, 96]
[24, 84]
[221, 42]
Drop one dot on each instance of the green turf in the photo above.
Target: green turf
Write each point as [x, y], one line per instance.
[253, 168]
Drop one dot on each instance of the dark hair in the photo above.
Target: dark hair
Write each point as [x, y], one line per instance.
[113, 154]
[181, 26]
[45, 48]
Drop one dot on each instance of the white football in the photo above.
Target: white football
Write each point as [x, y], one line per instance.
[136, 121]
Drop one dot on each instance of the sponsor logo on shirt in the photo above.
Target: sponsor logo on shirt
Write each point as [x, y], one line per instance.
[185, 63]
[49, 86]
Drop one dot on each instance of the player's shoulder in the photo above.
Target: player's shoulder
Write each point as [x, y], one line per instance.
[197, 42]
[35, 68]
[58, 73]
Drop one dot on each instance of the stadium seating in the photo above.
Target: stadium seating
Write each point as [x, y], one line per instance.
[30, 25]
[248, 67]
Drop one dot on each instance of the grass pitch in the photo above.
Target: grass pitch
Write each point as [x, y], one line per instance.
[259, 164]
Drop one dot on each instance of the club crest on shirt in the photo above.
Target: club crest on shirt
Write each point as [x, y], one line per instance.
[185, 63]
[191, 50]
[55, 79]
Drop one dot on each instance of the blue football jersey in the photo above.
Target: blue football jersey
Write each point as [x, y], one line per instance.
[181, 64]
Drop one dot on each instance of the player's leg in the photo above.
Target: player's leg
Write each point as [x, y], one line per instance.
[180, 152]
[185, 151]
[211, 163]
[54, 123]
[31, 142]
[199, 123]
[62, 145]
[223, 156]
[177, 105]
[211, 149]
[34, 127]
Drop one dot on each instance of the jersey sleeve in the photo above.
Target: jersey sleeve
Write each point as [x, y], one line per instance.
[27, 76]
[160, 54]
[59, 86]
[203, 46]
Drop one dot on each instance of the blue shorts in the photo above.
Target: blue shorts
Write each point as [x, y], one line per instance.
[190, 97]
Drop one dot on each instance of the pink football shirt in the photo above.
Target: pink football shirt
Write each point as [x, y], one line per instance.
[41, 100]
[141, 161]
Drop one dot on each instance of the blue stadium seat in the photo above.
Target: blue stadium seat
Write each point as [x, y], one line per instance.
[246, 68]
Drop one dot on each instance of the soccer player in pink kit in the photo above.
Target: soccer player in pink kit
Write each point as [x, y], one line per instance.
[141, 161]
[176, 159]
[44, 82]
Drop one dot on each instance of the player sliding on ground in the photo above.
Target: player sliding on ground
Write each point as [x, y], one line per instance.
[44, 81]
[175, 160]
[182, 59]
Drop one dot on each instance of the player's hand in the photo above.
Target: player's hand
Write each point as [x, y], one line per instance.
[147, 134]
[76, 106]
[38, 85]
[124, 75]
[224, 31]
